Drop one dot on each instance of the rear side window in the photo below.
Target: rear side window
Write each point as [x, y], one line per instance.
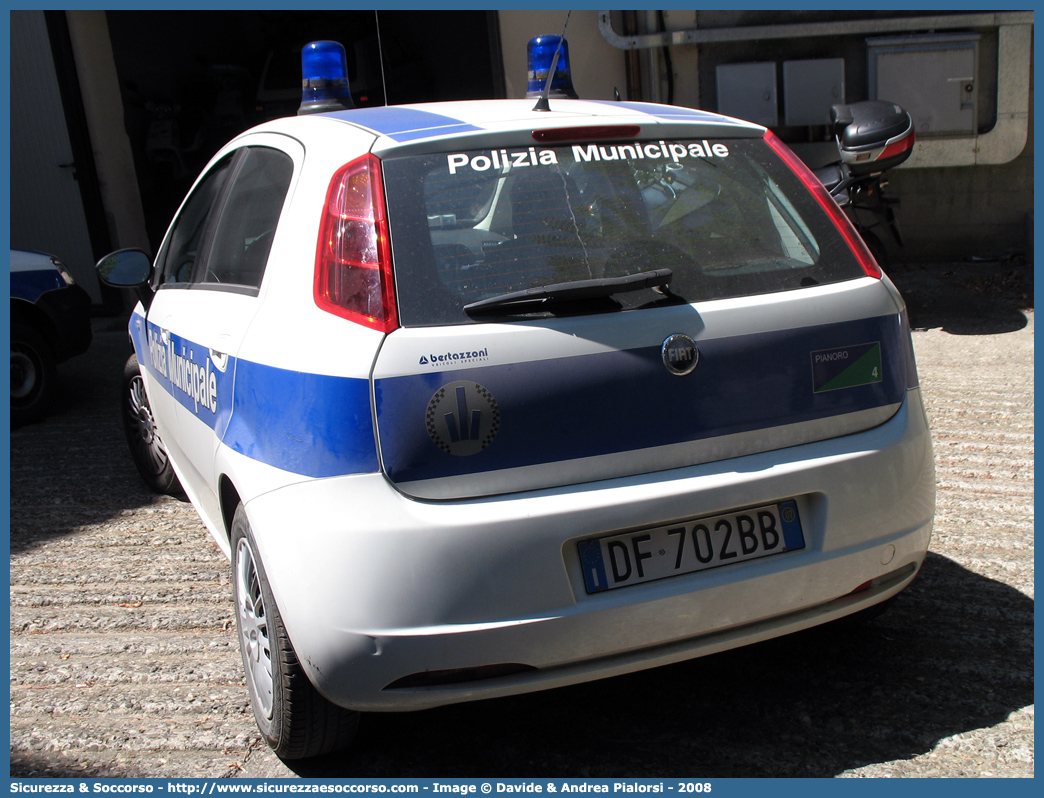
[223, 234]
[727, 217]
[244, 230]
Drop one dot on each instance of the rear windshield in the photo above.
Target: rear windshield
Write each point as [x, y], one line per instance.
[726, 216]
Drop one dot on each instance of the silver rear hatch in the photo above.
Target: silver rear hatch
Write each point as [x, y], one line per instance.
[587, 311]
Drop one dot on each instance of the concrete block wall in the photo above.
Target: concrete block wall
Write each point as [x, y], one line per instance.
[953, 213]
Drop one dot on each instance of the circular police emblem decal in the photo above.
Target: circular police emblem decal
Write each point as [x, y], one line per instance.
[462, 418]
[680, 354]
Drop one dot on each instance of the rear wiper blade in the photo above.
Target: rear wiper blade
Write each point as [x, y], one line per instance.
[534, 299]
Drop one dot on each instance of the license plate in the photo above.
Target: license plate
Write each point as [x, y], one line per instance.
[696, 545]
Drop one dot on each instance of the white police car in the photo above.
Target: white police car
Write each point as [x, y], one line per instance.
[481, 399]
[50, 323]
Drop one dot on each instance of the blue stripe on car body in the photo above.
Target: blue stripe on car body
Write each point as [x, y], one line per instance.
[136, 328]
[404, 124]
[31, 285]
[321, 426]
[912, 380]
[187, 372]
[310, 424]
[673, 112]
[742, 383]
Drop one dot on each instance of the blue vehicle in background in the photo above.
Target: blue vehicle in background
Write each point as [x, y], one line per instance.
[50, 323]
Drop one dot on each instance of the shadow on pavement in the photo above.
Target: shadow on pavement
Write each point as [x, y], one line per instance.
[73, 468]
[953, 654]
[972, 298]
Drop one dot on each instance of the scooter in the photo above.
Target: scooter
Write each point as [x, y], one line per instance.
[872, 137]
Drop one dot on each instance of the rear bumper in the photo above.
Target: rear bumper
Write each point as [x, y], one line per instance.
[374, 587]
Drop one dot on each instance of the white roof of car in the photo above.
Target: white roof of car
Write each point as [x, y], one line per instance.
[400, 126]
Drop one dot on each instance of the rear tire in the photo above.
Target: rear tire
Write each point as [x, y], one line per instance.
[294, 719]
[33, 375]
[139, 426]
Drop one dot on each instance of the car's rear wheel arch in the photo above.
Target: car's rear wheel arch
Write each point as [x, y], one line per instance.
[292, 716]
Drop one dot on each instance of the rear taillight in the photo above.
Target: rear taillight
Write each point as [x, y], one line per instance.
[898, 147]
[844, 226]
[353, 277]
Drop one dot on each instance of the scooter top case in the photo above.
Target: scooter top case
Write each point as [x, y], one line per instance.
[872, 136]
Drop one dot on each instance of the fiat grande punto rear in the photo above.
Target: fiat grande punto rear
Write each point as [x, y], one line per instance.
[482, 400]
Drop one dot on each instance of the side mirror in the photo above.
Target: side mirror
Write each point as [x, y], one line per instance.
[125, 268]
[128, 268]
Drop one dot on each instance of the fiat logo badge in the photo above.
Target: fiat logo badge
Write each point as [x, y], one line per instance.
[680, 354]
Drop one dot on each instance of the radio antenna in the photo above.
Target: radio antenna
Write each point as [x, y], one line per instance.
[380, 55]
[542, 103]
